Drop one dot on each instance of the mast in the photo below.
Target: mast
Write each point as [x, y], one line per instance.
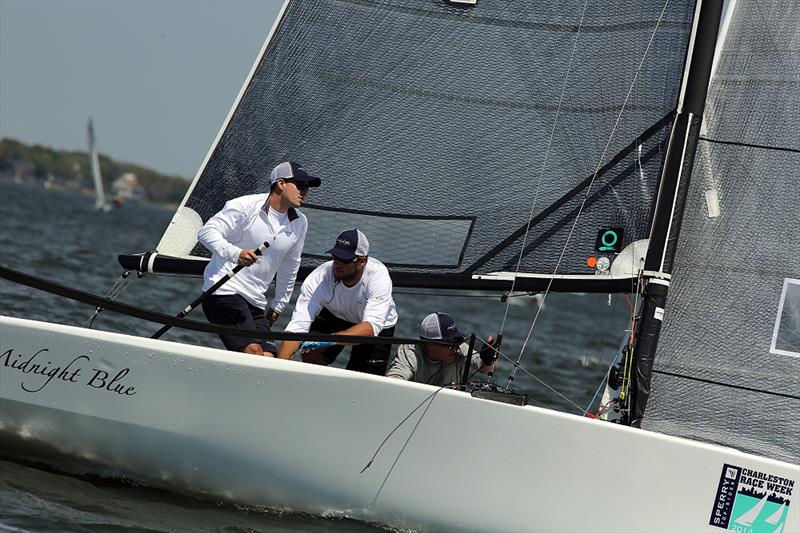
[673, 187]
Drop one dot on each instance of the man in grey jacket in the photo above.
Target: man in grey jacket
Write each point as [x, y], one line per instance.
[437, 364]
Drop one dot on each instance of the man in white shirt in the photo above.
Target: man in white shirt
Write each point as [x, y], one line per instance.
[437, 364]
[232, 236]
[350, 295]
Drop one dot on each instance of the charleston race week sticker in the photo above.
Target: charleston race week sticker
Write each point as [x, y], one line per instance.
[751, 501]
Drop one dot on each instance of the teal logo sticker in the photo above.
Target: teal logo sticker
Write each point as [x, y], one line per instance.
[751, 501]
[609, 240]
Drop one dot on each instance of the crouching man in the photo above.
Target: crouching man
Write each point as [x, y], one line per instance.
[437, 364]
[349, 295]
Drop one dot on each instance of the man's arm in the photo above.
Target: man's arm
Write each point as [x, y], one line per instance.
[214, 234]
[287, 349]
[362, 329]
[304, 311]
[379, 299]
[404, 365]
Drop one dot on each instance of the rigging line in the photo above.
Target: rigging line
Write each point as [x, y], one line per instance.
[517, 365]
[119, 285]
[628, 360]
[429, 397]
[572, 193]
[612, 303]
[750, 145]
[740, 387]
[405, 444]
[589, 187]
[629, 340]
[544, 161]
[386, 439]
[600, 386]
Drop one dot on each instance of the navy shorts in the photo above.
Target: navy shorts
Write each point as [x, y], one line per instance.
[234, 310]
[369, 358]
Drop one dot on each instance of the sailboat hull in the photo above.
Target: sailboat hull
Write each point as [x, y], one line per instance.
[283, 434]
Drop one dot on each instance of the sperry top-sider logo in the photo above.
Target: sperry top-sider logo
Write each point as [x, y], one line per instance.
[751, 501]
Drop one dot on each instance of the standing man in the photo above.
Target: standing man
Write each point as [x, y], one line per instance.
[436, 364]
[350, 295]
[232, 236]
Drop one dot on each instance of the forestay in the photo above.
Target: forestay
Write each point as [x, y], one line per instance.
[430, 124]
[728, 361]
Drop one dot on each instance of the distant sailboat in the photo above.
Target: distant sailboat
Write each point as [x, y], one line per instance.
[94, 158]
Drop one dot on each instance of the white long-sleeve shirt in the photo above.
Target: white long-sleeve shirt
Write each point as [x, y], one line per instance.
[369, 300]
[243, 224]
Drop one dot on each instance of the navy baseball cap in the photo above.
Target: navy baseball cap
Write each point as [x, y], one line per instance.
[440, 326]
[349, 245]
[293, 171]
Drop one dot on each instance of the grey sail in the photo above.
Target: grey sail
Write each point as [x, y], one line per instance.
[441, 129]
[728, 361]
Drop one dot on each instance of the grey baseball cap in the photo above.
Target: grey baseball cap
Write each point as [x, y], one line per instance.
[350, 244]
[440, 326]
[293, 171]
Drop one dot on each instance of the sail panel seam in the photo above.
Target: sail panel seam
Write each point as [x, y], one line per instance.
[459, 14]
[396, 88]
[730, 385]
[751, 145]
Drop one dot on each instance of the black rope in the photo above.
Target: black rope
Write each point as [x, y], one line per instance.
[153, 316]
[749, 145]
[703, 380]
[430, 397]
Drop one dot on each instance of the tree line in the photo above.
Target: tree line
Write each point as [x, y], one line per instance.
[40, 163]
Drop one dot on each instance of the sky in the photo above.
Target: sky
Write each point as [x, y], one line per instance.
[158, 78]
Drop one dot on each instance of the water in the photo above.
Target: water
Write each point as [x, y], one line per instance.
[57, 235]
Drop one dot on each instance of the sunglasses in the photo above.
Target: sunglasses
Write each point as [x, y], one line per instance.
[353, 260]
[302, 186]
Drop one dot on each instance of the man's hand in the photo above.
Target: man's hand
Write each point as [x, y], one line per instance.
[271, 316]
[488, 353]
[247, 257]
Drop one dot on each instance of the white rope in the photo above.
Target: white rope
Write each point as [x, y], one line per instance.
[544, 164]
[588, 189]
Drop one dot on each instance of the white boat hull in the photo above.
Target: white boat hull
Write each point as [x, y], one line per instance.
[284, 434]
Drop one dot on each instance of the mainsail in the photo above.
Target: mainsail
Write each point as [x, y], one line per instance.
[728, 360]
[463, 140]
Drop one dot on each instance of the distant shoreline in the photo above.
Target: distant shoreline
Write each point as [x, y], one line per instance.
[38, 184]
[72, 170]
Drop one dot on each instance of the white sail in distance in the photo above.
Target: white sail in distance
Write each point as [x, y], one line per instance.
[94, 161]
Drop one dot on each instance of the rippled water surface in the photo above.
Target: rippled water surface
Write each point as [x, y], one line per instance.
[57, 235]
